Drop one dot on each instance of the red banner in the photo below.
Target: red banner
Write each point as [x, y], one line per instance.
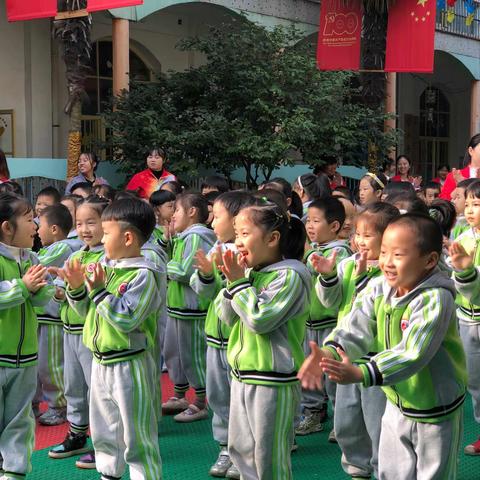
[96, 5]
[339, 36]
[29, 9]
[410, 36]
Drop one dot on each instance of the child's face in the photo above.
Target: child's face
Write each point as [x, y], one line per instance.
[318, 229]
[71, 208]
[458, 200]
[165, 212]
[24, 231]
[155, 161]
[222, 223]
[45, 232]
[400, 259]
[181, 218]
[472, 211]
[254, 245]
[366, 193]
[114, 240]
[43, 201]
[89, 226]
[368, 239]
[430, 195]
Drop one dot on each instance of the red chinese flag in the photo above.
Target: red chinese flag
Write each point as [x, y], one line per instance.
[410, 36]
[339, 35]
[96, 5]
[30, 9]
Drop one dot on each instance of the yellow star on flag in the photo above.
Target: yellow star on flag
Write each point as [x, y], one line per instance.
[422, 2]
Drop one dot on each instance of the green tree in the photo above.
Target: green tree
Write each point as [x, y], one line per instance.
[257, 102]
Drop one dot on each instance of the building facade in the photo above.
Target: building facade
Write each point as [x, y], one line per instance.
[437, 112]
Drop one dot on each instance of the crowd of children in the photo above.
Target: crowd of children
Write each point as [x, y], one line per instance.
[278, 308]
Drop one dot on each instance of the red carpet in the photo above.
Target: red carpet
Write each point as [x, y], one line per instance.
[48, 436]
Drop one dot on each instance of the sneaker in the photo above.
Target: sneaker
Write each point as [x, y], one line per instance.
[87, 461]
[221, 466]
[74, 444]
[191, 414]
[332, 437]
[473, 448]
[233, 472]
[174, 405]
[53, 416]
[309, 423]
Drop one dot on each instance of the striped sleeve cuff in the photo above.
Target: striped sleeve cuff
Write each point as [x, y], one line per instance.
[237, 286]
[77, 294]
[466, 276]
[98, 294]
[371, 374]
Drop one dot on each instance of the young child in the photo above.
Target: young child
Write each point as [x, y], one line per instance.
[371, 188]
[46, 197]
[266, 304]
[55, 223]
[120, 300]
[430, 192]
[465, 260]
[185, 347]
[410, 311]
[458, 200]
[358, 410]
[23, 286]
[77, 357]
[207, 281]
[324, 222]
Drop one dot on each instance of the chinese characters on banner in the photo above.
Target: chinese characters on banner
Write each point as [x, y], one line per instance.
[339, 36]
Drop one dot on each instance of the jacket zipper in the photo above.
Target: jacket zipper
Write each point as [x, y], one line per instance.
[97, 323]
[22, 325]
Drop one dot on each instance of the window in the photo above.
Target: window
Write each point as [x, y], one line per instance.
[99, 84]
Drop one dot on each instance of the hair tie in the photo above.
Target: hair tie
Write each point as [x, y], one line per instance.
[377, 180]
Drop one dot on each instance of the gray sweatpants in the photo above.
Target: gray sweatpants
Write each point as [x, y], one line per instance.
[17, 425]
[357, 423]
[185, 353]
[50, 385]
[78, 371]
[123, 422]
[260, 432]
[470, 335]
[316, 399]
[218, 392]
[427, 451]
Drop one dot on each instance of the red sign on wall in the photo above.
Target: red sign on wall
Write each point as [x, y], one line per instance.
[339, 36]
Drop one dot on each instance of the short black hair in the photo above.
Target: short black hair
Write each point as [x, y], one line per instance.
[379, 214]
[58, 215]
[235, 200]
[332, 208]
[473, 190]
[135, 214]
[50, 192]
[159, 197]
[197, 201]
[216, 181]
[83, 186]
[428, 234]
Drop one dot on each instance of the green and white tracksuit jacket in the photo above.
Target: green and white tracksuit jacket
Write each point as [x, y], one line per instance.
[267, 311]
[339, 289]
[321, 316]
[54, 255]
[182, 302]
[217, 332]
[121, 317]
[18, 321]
[421, 362]
[72, 322]
[468, 298]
